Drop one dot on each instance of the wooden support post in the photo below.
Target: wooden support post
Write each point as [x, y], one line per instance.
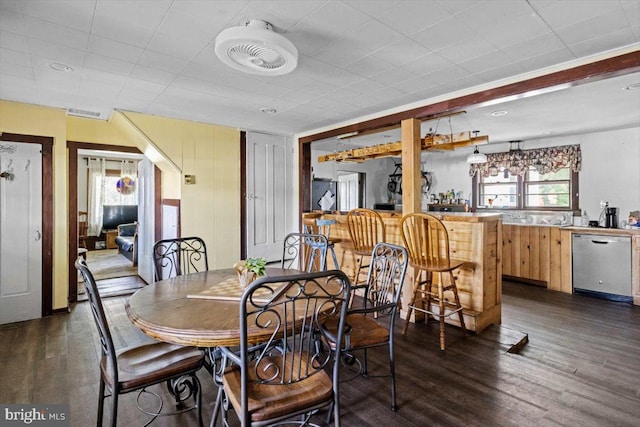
[411, 180]
[411, 194]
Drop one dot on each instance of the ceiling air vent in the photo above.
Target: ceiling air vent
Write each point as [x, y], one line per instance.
[256, 49]
[83, 113]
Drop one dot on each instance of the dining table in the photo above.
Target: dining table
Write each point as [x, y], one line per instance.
[198, 309]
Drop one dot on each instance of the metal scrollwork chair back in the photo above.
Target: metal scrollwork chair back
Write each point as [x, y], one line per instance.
[136, 368]
[293, 373]
[305, 252]
[372, 324]
[175, 257]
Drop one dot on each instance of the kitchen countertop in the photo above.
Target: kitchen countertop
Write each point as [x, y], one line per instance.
[607, 231]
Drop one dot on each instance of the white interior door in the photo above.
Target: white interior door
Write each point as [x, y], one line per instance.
[146, 218]
[20, 232]
[268, 187]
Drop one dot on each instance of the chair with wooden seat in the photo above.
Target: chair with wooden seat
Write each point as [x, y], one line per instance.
[427, 241]
[372, 324]
[182, 255]
[293, 374]
[366, 229]
[137, 368]
[304, 252]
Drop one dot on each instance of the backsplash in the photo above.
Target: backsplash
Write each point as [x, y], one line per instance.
[537, 217]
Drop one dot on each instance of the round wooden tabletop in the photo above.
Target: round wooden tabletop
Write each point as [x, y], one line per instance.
[168, 311]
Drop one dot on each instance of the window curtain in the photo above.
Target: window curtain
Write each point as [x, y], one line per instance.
[127, 185]
[95, 198]
[518, 162]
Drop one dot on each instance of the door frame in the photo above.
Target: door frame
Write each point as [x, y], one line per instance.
[46, 142]
[72, 205]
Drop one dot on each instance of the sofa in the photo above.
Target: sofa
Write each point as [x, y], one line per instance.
[127, 241]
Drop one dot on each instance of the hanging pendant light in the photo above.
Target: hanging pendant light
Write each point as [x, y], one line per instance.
[476, 157]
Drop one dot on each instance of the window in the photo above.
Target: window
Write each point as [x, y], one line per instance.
[533, 190]
[111, 194]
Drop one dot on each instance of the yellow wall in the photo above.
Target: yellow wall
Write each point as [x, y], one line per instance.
[210, 208]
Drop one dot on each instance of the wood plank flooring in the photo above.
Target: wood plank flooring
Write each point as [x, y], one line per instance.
[581, 367]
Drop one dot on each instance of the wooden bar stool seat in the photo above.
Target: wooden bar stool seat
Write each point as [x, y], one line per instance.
[427, 242]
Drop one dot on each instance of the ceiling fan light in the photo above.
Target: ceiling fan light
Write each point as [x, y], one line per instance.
[476, 157]
[256, 49]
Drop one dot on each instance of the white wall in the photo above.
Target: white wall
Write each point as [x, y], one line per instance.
[377, 171]
[610, 169]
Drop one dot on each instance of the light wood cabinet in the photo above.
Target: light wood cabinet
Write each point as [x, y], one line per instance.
[473, 238]
[526, 251]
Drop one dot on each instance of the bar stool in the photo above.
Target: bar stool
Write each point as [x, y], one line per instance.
[427, 242]
[314, 225]
[366, 229]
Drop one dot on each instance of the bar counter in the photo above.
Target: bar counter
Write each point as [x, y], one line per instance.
[473, 238]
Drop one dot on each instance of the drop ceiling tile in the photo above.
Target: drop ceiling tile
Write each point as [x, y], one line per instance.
[547, 59]
[516, 30]
[92, 75]
[317, 70]
[20, 78]
[597, 27]
[70, 13]
[11, 21]
[134, 84]
[56, 53]
[467, 49]
[457, 6]
[152, 75]
[125, 29]
[401, 52]
[604, 42]
[162, 62]
[447, 75]
[559, 14]
[114, 49]
[426, 64]
[9, 70]
[486, 62]
[393, 76]
[282, 14]
[93, 89]
[56, 34]
[375, 8]
[108, 65]
[368, 66]
[13, 57]
[13, 41]
[548, 42]
[412, 16]
[443, 34]
[487, 15]
[414, 84]
[213, 72]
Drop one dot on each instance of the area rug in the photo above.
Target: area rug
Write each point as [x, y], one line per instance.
[108, 263]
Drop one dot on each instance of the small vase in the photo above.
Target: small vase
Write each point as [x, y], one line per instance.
[246, 277]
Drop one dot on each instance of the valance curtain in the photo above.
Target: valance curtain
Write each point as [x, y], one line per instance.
[96, 171]
[518, 162]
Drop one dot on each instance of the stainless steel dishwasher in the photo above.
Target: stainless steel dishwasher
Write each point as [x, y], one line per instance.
[602, 266]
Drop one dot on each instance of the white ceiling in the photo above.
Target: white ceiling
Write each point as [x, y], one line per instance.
[357, 58]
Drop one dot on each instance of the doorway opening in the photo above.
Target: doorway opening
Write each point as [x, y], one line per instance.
[115, 273]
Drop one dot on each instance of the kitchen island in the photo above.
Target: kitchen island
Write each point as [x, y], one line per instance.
[474, 238]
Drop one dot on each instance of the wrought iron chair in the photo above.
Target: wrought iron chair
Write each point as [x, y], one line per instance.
[305, 252]
[175, 257]
[83, 228]
[382, 295]
[288, 376]
[136, 368]
[427, 241]
[323, 226]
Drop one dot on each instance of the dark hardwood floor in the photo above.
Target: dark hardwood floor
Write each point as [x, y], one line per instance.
[581, 367]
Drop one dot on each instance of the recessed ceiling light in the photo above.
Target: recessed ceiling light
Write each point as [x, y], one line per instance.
[57, 66]
[499, 113]
[268, 110]
[634, 86]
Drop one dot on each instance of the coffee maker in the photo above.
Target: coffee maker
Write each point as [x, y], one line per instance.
[611, 218]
